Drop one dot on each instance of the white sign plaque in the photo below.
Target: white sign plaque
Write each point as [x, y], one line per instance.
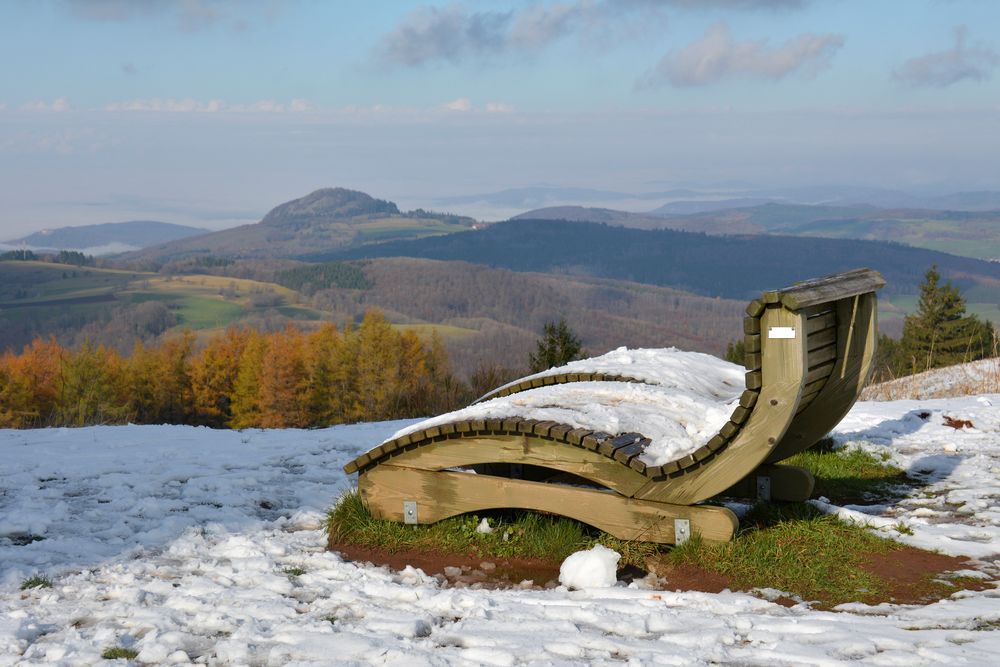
[781, 332]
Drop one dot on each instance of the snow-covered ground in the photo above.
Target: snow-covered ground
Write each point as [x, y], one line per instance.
[194, 545]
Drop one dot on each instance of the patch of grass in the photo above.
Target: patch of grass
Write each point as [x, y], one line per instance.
[198, 312]
[516, 534]
[35, 582]
[793, 548]
[294, 571]
[848, 474]
[119, 652]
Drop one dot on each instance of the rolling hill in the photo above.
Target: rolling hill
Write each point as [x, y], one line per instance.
[108, 237]
[483, 315]
[325, 219]
[969, 233]
[736, 267]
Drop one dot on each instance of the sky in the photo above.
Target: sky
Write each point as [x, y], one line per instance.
[210, 113]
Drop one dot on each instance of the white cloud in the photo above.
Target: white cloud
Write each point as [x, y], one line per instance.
[461, 104]
[944, 68]
[498, 107]
[455, 33]
[189, 105]
[57, 105]
[718, 56]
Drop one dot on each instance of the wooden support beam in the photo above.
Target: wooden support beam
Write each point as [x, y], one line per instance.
[439, 495]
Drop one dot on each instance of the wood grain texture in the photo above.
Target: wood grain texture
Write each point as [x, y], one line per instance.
[781, 377]
[844, 380]
[788, 483]
[440, 495]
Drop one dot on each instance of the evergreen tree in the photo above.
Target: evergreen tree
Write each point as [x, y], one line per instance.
[736, 351]
[556, 347]
[940, 333]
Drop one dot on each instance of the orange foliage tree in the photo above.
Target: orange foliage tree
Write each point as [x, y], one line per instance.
[241, 378]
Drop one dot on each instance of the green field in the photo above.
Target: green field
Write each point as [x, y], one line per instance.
[405, 228]
[425, 331]
[49, 298]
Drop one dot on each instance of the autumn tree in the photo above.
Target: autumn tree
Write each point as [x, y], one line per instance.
[29, 384]
[282, 383]
[213, 377]
[246, 407]
[91, 390]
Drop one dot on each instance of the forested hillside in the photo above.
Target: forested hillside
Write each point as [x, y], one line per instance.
[737, 267]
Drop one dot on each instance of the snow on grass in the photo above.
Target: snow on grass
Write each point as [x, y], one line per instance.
[189, 544]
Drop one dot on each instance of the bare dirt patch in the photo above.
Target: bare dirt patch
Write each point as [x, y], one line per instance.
[909, 575]
[461, 569]
[915, 576]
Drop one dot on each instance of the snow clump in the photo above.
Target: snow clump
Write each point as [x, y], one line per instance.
[594, 568]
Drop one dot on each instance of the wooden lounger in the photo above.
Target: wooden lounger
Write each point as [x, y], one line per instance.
[809, 351]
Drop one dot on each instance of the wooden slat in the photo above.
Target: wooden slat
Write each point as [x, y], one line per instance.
[751, 343]
[559, 431]
[822, 338]
[752, 360]
[805, 401]
[755, 308]
[813, 386]
[716, 443]
[829, 288]
[728, 430]
[822, 355]
[625, 453]
[754, 380]
[740, 415]
[751, 326]
[822, 322]
[749, 398]
[820, 372]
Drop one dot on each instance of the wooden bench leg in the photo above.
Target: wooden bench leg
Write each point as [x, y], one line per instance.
[775, 482]
[413, 495]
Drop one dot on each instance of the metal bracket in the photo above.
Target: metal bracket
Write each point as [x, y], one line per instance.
[682, 530]
[410, 511]
[764, 488]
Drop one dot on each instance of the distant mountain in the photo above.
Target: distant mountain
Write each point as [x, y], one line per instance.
[737, 267]
[323, 220]
[551, 195]
[969, 233]
[695, 206]
[109, 237]
[694, 199]
[588, 214]
[325, 206]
